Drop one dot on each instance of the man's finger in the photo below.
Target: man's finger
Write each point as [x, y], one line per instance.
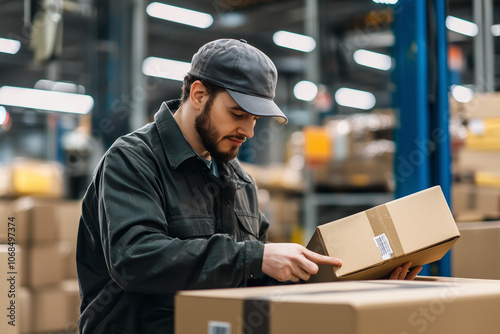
[322, 259]
[302, 274]
[396, 272]
[413, 273]
[404, 270]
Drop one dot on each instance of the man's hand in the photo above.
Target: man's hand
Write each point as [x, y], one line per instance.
[402, 272]
[292, 262]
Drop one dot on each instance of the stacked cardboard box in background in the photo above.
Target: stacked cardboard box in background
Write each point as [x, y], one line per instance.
[283, 213]
[477, 253]
[479, 158]
[471, 202]
[358, 154]
[45, 234]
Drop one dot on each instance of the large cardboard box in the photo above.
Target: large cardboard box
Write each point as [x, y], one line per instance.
[68, 251]
[42, 265]
[477, 253]
[50, 309]
[470, 200]
[72, 292]
[428, 306]
[9, 290]
[43, 220]
[25, 310]
[418, 228]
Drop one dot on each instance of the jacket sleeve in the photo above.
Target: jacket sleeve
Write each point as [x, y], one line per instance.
[140, 256]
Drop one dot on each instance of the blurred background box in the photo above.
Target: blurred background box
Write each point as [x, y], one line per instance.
[477, 252]
[475, 202]
[481, 106]
[41, 219]
[283, 213]
[5, 299]
[42, 264]
[25, 310]
[470, 160]
[72, 292]
[68, 252]
[487, 179]
[50, 309]
[25, 176]
[483, 134]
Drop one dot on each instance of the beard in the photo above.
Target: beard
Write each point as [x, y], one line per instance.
[210, 137]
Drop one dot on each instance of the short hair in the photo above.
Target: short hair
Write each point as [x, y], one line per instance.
[188, 82]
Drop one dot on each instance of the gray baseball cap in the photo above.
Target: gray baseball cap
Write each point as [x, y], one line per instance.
[247, 74]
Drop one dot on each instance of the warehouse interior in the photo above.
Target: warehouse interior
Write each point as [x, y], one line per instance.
[385, 99]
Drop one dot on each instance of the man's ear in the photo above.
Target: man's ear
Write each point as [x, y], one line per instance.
[197, 94]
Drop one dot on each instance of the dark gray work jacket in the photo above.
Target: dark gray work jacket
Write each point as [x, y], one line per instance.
[154, 221]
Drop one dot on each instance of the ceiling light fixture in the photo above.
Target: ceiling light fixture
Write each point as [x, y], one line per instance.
[355, 98]
[59, 86]
[495, 30]
[461, 26]
[386, 2]
[165, 68]
[294, 41]
[373, 59]
[46, 100]
[461, 93]
[179, 15]
[305, 90]
[3, 115]
[10, 46]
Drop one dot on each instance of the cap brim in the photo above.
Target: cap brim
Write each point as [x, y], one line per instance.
[258, 106]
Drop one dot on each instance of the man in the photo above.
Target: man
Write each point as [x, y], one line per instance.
[170, 208]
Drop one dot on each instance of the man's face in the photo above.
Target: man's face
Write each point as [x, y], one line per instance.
[223, 126]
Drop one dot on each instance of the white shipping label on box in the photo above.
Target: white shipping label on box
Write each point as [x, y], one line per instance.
[219, 327]
[383, 245]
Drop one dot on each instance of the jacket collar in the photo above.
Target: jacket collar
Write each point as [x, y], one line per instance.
[177, 148]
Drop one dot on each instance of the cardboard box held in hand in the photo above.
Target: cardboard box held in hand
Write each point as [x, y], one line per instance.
[418, 228]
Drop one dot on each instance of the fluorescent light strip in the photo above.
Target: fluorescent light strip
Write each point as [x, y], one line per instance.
[165, 68]
[179, 15]
[373, 59]
[46, 100]
[387, 2]
[305, 90]
[355, 98]
[461, 26]
[58, 86]
[294, 41]
[10, 46]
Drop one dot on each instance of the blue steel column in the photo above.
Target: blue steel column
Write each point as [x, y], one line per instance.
[423, 145]
[440, 135]
[411, 162]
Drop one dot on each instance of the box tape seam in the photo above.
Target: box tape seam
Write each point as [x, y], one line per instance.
[381, 223]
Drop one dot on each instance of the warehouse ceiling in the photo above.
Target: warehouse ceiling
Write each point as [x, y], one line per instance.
[88, 24]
